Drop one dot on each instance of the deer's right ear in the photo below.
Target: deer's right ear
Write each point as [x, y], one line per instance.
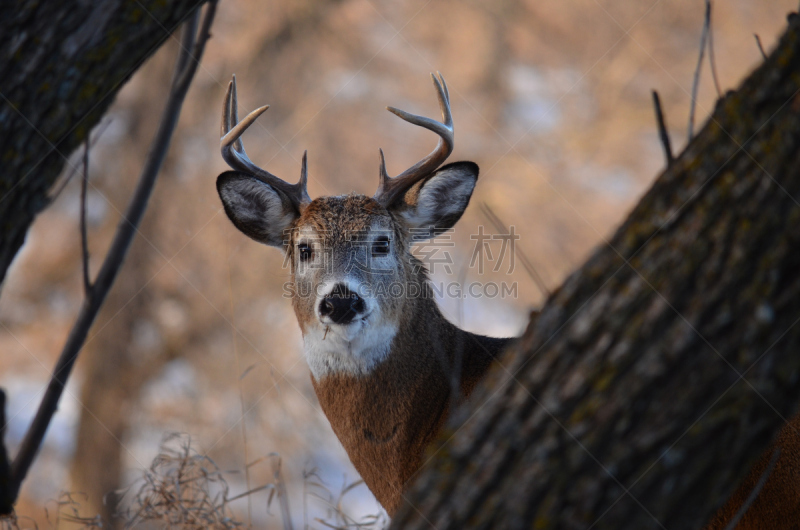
[256, 208]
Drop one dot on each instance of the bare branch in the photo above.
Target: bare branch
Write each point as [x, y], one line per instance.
[760, 47]
[185, 69]
[753, 494]
[188, 38]
[74, 168]
[696, 82]
[662, 130]
[283, 498]
[6, 489]
[200, 40]
[500, 226]
[87, 284]
[711, 60]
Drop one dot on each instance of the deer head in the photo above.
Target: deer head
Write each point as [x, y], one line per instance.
[354, 280]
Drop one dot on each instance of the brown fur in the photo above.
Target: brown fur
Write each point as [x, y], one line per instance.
[386, 393]
[350, 213]
[386, 415]
[777, 506]
[337, 218]
[386, 420]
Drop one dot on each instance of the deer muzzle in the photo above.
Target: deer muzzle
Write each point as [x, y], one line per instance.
[342, 306]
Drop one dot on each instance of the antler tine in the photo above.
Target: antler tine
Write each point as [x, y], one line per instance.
[234, 154]
[303, 183]
[390, 189]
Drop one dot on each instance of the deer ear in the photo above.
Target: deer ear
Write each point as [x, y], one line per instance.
[438, 202]
[256, 208]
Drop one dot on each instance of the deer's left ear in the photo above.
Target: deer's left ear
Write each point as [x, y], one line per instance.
[438, 202]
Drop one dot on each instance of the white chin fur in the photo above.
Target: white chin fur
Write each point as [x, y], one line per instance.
[354, 349]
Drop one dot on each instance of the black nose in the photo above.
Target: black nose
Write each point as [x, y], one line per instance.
[342, 305]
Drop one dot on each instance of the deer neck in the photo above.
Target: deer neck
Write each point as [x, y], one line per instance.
[386, 417]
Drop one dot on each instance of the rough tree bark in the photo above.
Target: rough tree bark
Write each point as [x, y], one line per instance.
[61, 64]
[662, 368]
[192, 47]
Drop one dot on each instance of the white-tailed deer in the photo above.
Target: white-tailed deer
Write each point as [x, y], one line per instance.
[384, 362]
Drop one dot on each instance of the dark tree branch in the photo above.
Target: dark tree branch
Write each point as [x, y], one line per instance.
[760, 46]
[75, 167]
[6, 488]
[663, 134]
[696, 82]
[61, 64]
[188, 39]
[190, 54]
[87, 282]
[711, 60]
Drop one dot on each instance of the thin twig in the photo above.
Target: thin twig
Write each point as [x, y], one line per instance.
[6, 496]
[711, 60]
[74, 169]
[243, 409]
[119, 246]
[500, 226]
[283, 497]
[760, 46]
[87, 283]
[662, 129]
[249, 492]
[696, 83]
[753, 494]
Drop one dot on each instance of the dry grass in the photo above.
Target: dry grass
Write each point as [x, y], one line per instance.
[336, 516]
[64, 510]
[183, 489]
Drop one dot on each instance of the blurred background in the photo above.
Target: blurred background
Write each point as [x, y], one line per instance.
[550, 97]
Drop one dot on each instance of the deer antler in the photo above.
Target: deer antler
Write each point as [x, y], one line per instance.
[233, 150]
[390, 189]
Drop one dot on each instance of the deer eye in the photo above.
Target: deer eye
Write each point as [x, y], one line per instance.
[304, 251]
[381, 246]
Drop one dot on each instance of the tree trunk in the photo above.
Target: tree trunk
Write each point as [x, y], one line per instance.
[61, 63]
[662, 368]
